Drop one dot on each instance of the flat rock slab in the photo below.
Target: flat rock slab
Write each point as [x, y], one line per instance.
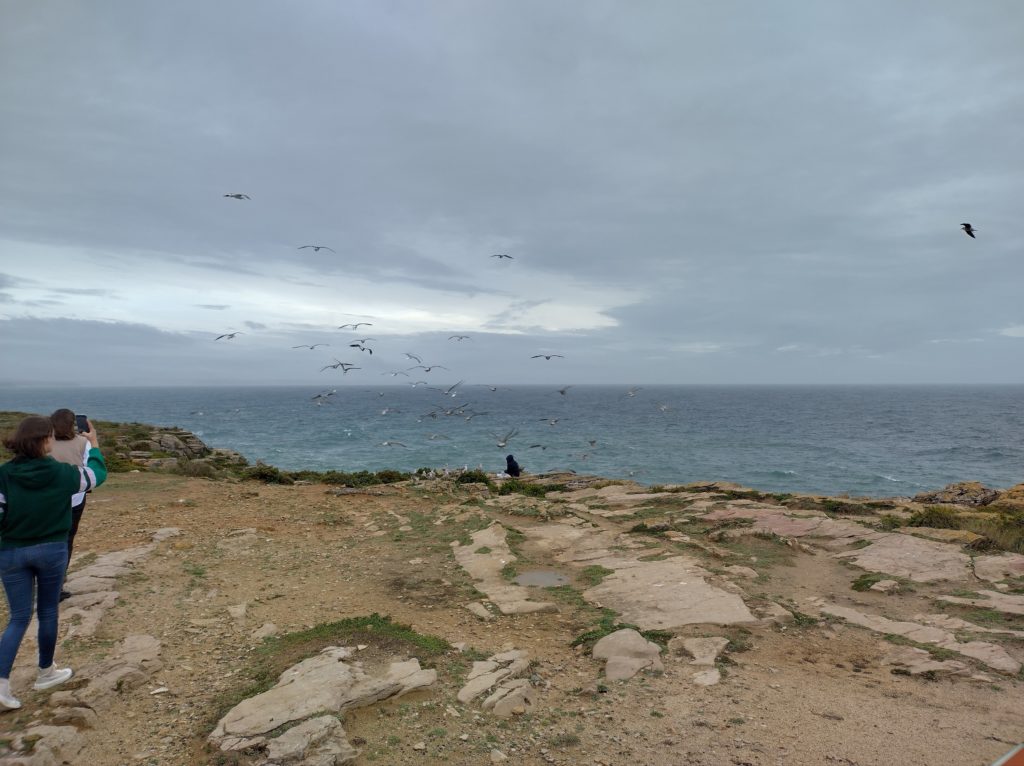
[955, 623]
[914, 661]
[992, 655]
[1001, 567]
[496, 669]
[667, 594]
[991, 599]
[486, 570]
[911, 557]
[703, 650]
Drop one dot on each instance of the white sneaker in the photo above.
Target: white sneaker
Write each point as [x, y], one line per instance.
[8, 700]
[51, 676]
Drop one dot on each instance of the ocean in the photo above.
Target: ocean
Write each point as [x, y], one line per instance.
[862, 440]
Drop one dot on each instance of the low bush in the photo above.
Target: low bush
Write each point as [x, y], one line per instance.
[515, 485]
[268, 474]
[935, 516]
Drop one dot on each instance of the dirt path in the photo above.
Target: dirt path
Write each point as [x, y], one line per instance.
[810, 692]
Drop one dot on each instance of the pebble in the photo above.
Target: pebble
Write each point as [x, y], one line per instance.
[420, 746]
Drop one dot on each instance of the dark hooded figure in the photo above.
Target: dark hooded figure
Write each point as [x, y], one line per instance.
[511, 466]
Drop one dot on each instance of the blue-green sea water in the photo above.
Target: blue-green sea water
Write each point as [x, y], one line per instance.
[863, 440]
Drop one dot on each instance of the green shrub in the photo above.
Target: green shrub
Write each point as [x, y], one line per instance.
[476, 476]
[935, 516]
[268, 474]
[515, 485]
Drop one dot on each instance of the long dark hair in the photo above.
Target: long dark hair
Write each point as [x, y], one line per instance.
[29, 438]
[63, 424]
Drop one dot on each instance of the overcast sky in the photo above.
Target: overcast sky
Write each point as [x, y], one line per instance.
[691, 192]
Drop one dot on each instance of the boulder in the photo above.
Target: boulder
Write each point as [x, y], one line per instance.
[316, 741]
[627, 653]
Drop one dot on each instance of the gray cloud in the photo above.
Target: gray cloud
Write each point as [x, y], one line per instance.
[687, 188]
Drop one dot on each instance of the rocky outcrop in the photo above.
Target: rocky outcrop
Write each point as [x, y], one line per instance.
[969, 493]
[1010, 500]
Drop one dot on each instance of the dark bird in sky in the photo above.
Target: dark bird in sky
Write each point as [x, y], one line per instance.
[345, 366]
[238, 196]
[428, 369]
[356, 326]
[450, 391]
[318, 248]
[547, 356]
[396, 373]
[311, 347]
[229, 335]
[361, 347]
[563, 390]
[413, 356]
[968, 230]
[542, 446]
[458, 337]
[503, 255]
[549, 421]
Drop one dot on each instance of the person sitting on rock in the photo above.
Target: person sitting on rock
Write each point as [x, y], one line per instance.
[512, 467]
[35, 518]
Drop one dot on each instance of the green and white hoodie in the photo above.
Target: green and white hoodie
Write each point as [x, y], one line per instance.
[35, 497]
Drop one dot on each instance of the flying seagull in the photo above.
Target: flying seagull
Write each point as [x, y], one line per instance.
[428, 369]
[361, 348]
[503, 255]
[458, 337]
[345, 366]
[546, 356]
[355, 326]
[968, 230]
[549, 421]
[362, 340]
[318, 248]
[229, 335]
[396, 373]
[503, 440]
[311, 347]
[238, 196]
[392, 444]
[413, 356]
[631, 393]
[563, 390]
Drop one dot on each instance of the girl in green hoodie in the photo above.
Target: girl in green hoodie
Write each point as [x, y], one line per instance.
[35, 518]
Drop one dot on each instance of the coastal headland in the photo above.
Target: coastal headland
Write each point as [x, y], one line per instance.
[226, 613]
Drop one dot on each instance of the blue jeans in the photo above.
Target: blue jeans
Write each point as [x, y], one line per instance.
[34, 567]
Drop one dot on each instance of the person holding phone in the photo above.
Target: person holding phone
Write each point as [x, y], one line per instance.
[72, 447]
[35, 518]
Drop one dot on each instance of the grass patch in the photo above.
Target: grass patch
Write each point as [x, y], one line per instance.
[888, 522]
[935, 516]
[521, 487]
[593, 575]
[194, 569]
[865, 581]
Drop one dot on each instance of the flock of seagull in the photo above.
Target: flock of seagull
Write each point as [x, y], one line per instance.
[463, 411]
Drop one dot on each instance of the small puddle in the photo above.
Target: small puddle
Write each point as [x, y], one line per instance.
[541, 578]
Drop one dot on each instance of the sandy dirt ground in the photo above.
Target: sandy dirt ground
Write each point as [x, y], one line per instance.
[814, 692]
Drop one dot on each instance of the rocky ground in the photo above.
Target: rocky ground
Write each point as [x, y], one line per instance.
[192, 596]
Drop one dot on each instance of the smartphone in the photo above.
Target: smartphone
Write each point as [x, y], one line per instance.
[82, 424]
